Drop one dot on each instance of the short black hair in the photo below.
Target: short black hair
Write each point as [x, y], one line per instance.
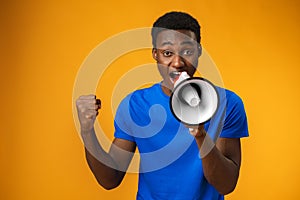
[175, 20]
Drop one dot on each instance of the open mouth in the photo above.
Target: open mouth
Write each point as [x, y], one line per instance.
[174, 76]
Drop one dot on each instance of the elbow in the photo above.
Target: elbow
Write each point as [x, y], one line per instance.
[226, 187]
[108, 185]
[226, 190]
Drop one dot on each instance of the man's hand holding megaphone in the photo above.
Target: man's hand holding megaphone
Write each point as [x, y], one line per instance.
[197, 131]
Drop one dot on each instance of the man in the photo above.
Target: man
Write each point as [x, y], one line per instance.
[173, 164]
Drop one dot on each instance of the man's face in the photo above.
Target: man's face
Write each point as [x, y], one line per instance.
[176, 51]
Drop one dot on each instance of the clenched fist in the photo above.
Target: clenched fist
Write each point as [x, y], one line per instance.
[87, 109]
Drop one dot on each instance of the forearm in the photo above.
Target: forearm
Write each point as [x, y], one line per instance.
[220, 171]
[100, 162]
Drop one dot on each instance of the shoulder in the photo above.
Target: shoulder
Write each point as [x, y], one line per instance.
[232, 96]
[233, 100]
[148, 91]
[134, 108]
[229, 97]
[140, 97]
[235, 124]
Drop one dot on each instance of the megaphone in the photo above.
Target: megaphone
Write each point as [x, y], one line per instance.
[194, 100]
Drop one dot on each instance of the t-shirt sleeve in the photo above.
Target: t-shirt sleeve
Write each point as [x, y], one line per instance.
[235, 125]
[121, 122]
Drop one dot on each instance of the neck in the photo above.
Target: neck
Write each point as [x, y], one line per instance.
[166, 89]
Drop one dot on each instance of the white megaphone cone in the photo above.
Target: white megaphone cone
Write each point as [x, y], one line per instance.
[194, 100]
[189, 93]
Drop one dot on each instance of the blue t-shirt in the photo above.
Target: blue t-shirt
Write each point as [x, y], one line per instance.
[170, 166]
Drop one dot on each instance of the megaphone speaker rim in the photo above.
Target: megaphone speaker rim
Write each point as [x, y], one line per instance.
[179, 86]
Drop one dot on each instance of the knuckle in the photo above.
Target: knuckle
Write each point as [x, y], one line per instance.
[81, 97]
[78, 101]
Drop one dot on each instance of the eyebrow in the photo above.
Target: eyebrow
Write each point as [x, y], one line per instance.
[187, 42]
[182, 43]
[166, 43]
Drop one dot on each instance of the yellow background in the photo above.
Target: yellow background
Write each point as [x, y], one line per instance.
[255, 45]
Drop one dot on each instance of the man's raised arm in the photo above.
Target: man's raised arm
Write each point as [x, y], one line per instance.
[108, 168]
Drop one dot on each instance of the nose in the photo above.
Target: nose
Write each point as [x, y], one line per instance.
[177, 62]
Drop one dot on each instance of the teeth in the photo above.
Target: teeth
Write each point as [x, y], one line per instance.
[174, 74]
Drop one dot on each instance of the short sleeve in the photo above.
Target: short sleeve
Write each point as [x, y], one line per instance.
[235, 125]
[121, 124]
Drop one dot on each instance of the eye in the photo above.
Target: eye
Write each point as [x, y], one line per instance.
[167, 53]
[187, 52]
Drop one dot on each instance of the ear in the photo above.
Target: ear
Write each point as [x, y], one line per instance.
[154, 53]
[199, 50]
